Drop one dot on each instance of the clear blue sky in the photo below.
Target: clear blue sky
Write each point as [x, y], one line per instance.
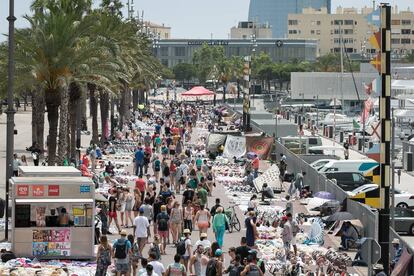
[189, 18]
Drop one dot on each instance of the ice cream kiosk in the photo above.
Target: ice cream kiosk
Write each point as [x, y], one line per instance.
[53, 217]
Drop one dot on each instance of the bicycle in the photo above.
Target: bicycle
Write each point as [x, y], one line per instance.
[234, 221]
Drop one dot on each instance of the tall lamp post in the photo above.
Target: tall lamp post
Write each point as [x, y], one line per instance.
[301, 122]
[10, 113]
[111, 7]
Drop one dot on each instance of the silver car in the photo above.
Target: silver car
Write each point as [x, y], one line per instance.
[404, 221]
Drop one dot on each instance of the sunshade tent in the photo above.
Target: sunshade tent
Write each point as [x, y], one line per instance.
[198, 91]
[340, 216]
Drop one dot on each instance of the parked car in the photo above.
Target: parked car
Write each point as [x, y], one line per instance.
[403, 199]
[404, 221]
[348, 181]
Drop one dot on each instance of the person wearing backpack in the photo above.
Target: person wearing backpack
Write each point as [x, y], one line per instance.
[184, 248]
[215, 265]
[156, 166]
[251, 269]
[162, 227]
[176, 268]
[121, 249]
[103, 257]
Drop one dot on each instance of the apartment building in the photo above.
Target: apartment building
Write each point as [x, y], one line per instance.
[352, 27]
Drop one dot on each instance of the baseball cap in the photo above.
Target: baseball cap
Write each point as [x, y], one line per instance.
[141, 210]
[218, 252]
[123, 233]
[203, 235]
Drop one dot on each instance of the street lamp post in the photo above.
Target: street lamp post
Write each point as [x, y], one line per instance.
[10, 114]
[301, 122]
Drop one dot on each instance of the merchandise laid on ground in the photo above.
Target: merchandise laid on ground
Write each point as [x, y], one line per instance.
[60, 214]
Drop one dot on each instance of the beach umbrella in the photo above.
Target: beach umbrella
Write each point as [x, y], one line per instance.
[324, 195]
[316, 202]
[340, 216]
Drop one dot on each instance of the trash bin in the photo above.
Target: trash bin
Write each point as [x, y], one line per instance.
[331, 132]
[341, 137]
[360, 143]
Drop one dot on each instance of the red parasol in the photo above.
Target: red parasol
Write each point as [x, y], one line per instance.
[198, 91]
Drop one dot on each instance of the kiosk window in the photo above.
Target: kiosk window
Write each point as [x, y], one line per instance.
[22, 216]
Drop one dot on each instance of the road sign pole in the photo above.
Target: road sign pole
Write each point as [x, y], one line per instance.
[385, 117]
[369, 257]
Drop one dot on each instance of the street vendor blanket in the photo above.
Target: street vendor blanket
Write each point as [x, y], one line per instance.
[214, 141]
[271, 177]
[259, 145]
[235, 146]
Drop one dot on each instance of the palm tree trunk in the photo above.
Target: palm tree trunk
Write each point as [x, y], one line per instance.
[72, 124]
[63, 126]
[38, 117]
[135, 93]
[94, 112]
[104, 106]
[84, 120]
[52, 100]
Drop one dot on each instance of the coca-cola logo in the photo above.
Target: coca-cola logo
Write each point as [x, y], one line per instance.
[22, 190]
[38, 190]
[53, 190]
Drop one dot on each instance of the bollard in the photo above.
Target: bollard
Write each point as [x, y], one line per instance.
[288, 115]
[350, 139]
[296, 119]
[341, 137]
[299, 120]
[360, 142]
[331, 132]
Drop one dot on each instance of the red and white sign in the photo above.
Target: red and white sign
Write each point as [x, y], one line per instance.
[53, 190]
[38, 190]
[22, 190]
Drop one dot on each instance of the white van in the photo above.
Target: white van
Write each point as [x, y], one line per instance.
[320, 163]
[362, 166]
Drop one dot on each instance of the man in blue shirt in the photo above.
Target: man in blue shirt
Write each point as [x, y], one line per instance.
[121, 251]
[139, 162]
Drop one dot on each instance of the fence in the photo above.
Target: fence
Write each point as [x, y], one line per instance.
[318, 182]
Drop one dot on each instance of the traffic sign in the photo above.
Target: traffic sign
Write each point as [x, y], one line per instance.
[370, 250]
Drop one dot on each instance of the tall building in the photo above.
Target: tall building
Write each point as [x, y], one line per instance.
[246, 29]
[351, 25]
[275, 12]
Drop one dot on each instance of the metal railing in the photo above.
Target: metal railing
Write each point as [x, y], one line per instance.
[318, 182]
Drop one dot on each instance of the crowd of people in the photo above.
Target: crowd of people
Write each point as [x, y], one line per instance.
[169, 201]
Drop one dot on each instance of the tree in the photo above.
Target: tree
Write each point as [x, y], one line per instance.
[206, 61]
[184, 72]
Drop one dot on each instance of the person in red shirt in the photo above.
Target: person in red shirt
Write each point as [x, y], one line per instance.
[141, 185]
[85, 160]
[255, 163]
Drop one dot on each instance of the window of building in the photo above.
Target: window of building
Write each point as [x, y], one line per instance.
[395, 22]
[338, 22]
[318, 22]
[179, 51]
[348, 31]
[337, 31]
[405, 22]
[405, 31]
[164, 51]
[312, 31]
[293, 31]
[293, 22]
[395, 41]
[164, 62]
[405, 41]
[318, 32]
[349, 22]
[166, 36]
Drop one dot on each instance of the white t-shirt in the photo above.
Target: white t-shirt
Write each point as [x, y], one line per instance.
[205, 243]
[158, 267]
[141, 224]
[187, 244]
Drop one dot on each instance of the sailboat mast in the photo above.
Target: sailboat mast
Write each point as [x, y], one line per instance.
[342, 66]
